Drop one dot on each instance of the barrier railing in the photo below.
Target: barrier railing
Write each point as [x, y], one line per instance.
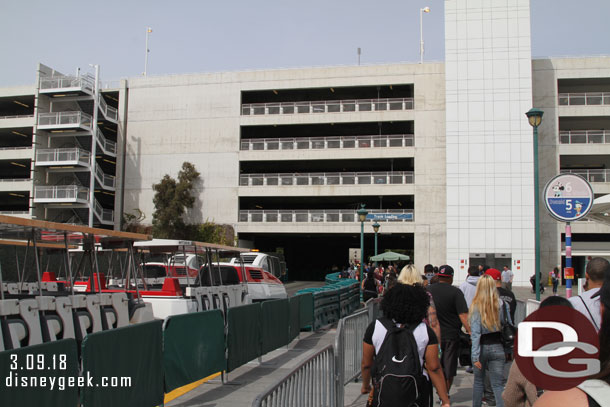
[322, 215]
[317, 143]
[72, 192]
[327, 178]
[72, 119]
[311, 383]
[590, 175]
[348, 348]
[328, 106]
[58, 155]
[584, 99]
[584, 137]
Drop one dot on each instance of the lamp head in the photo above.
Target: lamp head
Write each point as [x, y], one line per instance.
[376, 227]
[362, 213]
[426, 9]
[534, 117]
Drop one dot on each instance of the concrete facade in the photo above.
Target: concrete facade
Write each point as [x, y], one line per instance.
[198, 118]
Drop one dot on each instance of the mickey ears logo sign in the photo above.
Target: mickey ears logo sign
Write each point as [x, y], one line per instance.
[557, 348]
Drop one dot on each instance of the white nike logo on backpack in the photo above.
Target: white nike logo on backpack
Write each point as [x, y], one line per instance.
[398, 361]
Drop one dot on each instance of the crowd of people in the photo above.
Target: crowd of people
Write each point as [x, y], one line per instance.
[472, 324]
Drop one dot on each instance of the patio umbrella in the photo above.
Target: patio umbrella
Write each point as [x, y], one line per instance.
[390, 256]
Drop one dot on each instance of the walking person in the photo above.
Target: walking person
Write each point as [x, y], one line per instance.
[452, 313]
[588, 303]
[410, 275]
[469, 287]
[488, 356]
[370, 286]
[555, 279]
[507, 278]
[404, 308]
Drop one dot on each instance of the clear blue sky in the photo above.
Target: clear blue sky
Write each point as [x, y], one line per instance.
[227, 35]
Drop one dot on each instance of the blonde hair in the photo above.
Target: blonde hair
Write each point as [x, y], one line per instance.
[487, 303]
[409, 275]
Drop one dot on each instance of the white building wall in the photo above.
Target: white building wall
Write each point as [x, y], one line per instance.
[490, 205]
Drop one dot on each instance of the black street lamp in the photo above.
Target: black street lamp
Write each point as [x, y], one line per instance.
[534, 117]
[376, 227]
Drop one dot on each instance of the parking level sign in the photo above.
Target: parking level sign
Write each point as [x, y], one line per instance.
[568, 197]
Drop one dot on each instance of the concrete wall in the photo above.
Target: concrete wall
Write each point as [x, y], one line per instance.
[489, 142]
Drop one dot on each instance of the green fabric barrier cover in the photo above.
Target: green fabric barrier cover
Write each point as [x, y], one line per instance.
[44, 366]
[243, 335]
[193, 347]
[306, 313]
[276, 320]
[134, 351]
[295, 321]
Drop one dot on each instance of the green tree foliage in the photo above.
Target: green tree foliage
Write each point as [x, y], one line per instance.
[211, 232]
[172, 199]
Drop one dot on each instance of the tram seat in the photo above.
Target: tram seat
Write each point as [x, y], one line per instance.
[82, 319]
[121, 308]
[93, 306]
[28, 310]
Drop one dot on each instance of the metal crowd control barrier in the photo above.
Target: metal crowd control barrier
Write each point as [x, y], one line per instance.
[531, 306]
[311, 384]
[348, 349]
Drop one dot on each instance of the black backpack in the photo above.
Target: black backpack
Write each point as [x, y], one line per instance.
[397, 372]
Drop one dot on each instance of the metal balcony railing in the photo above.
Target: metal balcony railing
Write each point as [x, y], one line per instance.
[327, 178]
[108, 111]
[323, 215]
[15, 148]
[17, 116]
[315, 143]
[107, 181]
[590, 175]
[63, 155]
[61, 192]
[15, 179]
[584, 137]
[328, 106]
[584, 99]
[108, 146]
[62, 82]
[103, 214]
[65, 118]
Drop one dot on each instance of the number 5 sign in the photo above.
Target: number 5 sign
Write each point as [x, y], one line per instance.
[568, 197]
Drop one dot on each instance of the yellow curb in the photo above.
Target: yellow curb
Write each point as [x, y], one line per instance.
[174, 394]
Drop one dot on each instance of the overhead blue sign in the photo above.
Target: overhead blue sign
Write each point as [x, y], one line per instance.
[389, 216]
[568, 197]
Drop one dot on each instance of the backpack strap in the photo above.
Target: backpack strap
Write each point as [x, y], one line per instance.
[589, 311]
[598, 390]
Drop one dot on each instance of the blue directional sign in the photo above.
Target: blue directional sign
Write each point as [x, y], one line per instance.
[568, 197]
[389, 216]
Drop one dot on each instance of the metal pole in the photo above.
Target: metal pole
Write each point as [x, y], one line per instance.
[421, 36]
[375, 243]
[537, 212]
[93, 164]
[148, 31]
[568, 258]
[361, 251]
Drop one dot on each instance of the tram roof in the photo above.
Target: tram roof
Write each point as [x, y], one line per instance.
[189, 246]
[20, 230]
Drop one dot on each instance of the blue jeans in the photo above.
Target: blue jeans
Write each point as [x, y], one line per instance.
[492, 360]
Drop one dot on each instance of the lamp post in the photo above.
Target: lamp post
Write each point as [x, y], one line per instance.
[362, 217]
[421, 32]
[534, 117]
[376, 227]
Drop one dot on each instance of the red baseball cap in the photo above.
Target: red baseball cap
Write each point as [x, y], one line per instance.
[494, 273]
